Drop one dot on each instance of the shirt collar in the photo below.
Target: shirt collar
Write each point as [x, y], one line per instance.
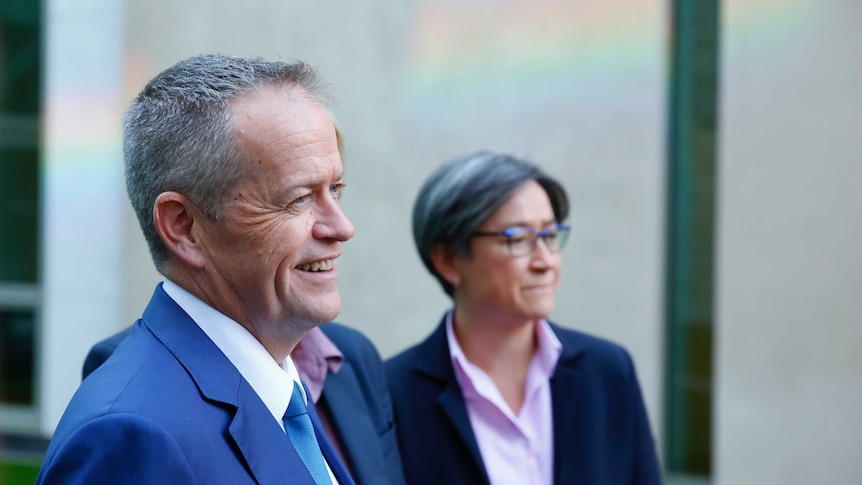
[315, 356]
[459, 360]
[548, 351]
[273, 382]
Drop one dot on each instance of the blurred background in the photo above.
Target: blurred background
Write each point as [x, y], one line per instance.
[711, 150]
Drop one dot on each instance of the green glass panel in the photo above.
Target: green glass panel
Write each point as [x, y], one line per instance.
[16, 357]
[691, 229]
[20, 56]
[20, 88]
[19, 211]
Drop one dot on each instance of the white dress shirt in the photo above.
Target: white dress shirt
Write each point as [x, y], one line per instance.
[272, 382]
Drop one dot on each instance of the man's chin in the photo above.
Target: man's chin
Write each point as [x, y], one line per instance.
[326, 313]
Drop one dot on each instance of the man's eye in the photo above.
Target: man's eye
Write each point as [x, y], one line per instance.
[298, 202]
[336, 190]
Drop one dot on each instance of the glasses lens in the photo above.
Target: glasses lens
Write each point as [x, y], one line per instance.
[521, 242]
[557, 239]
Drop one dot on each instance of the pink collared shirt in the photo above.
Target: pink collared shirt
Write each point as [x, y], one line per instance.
[516, 449]
[314, 356]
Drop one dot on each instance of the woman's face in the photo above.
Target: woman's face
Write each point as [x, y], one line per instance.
[493, 282]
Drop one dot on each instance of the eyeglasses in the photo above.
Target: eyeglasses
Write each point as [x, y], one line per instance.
[521, 241]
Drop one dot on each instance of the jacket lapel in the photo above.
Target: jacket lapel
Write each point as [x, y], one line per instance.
[568, 390]
[351, 418]
[438, 368]
[261, 442]
[332, 458]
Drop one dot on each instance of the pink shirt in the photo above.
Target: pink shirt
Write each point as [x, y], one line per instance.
[314, 355]
[516, 449]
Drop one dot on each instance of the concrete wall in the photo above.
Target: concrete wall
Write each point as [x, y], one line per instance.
[83, 194]
[789, 397]
[577, 87]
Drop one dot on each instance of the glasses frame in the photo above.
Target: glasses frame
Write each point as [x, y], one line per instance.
[509, 233]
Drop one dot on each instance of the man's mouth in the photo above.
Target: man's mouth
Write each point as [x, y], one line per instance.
[322, 265]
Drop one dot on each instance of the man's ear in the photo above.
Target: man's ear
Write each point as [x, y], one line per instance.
[176, 218]
[447, 264]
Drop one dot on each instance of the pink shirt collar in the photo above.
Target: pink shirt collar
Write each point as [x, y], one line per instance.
[515, 448]
[545, 359]
[314, 356]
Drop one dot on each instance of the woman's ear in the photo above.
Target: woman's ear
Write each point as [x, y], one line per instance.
[176, 220]
[447, 264]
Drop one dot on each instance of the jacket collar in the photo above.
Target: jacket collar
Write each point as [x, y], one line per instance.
[567, 392]
[215, 376]
[436, 365]
[260, 440]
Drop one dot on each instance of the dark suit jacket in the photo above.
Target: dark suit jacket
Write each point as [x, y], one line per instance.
[601, 430]
[169, 407]
[356, 398]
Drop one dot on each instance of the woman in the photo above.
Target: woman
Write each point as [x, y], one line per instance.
[497, 394]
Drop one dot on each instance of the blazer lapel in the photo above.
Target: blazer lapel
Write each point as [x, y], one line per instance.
[568, 390]
[261, 442]
[351, 418]
[332, 458]
[438, 367]
[453, 406]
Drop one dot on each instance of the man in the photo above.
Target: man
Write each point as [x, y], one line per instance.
[233, 170]
[346, 380]
[345, 377]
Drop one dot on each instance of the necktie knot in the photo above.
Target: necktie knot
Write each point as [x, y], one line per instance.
[297, 406]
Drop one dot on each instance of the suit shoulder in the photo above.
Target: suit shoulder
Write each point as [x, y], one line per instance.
[339, 333]
[589, 341]
[593, 351]
[429, 359]
[352, 343]
[114, 340]
[403, 359]
[102, 350]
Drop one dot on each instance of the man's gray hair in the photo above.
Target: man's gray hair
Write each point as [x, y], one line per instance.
[177, 132]
[464, 192]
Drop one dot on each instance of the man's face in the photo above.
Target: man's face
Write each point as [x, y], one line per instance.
[271, 258]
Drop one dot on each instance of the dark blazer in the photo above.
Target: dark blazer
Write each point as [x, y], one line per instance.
[356, 398]
[601, 429]
[360, 408]
[169, 407]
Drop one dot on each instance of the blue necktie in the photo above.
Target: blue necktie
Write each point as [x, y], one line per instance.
[298, 426]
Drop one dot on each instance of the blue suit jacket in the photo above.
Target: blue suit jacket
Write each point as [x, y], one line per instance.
[601, 430]
[169, 407]
[356, 398]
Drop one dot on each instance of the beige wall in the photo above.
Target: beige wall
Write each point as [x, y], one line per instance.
[578, 87]
[581, 92]
[82, 197]
[789, 397]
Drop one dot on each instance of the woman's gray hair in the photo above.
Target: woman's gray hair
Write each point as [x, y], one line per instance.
[177, 133]
[464, 192]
